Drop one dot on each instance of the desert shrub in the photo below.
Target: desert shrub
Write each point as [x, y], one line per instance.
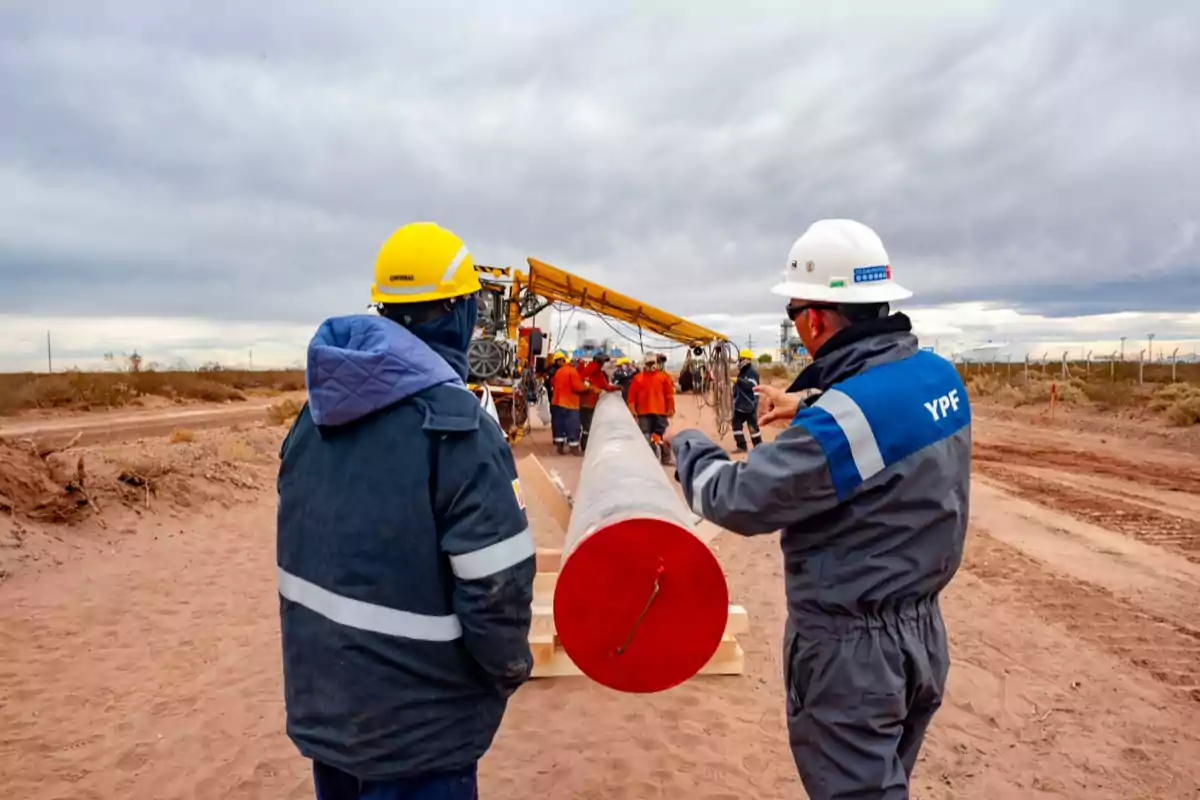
[283, 412]
[1185, 411]
[85, 390]
[1108, 395]
[182, 436]
[237, 450]
[773, 371]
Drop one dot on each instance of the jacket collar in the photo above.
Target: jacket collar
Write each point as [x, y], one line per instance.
[853, 349]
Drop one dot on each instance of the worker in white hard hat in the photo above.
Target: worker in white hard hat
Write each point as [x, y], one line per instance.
[869, 484]
[405, 561]
[745, 402]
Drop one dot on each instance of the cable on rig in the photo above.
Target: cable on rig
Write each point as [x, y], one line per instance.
[718, 393]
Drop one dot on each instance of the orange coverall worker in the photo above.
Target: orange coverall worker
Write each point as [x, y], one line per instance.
[593, 373]
[564, 407]
[652, 400]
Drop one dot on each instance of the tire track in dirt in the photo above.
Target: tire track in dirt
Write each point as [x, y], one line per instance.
[1132, 519]
[1169, 651]
[1150, 473]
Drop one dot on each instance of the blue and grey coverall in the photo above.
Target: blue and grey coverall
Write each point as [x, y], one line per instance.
[870, 487]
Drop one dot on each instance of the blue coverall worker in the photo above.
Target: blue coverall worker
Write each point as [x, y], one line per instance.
[745, 402]
[870, 486]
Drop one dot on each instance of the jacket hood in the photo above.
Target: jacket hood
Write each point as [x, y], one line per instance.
[362, 363]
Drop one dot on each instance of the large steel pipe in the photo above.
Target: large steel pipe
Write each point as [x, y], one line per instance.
[641, 603]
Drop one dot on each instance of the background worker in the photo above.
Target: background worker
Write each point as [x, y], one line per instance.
[594, 376]
[405, 562]
[564, 406]
[652, 401]
[623, 374]
[745, 402]
[870, 484]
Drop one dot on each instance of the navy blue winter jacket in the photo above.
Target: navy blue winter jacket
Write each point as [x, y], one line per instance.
[745, 401]
[405, 561]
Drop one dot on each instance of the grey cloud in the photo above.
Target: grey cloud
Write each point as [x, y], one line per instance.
[245, 162]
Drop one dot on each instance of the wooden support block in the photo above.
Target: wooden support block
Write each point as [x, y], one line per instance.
[543, 620]
[548, 560]
[543, 587]
[554, 662]
[559, 665]
[543, 649]
[535, 478]
[739, 621]
[729, 659]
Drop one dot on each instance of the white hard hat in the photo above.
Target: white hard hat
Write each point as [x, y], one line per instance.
[839, 261]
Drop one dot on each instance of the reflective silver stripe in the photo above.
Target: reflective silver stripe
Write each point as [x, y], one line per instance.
[854, 424]
[367, 616]
[447, 276]
[401, 290]
[494, 558]
[702, 480]
[454, 262]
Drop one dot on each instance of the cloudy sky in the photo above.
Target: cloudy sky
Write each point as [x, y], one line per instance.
[199, 180]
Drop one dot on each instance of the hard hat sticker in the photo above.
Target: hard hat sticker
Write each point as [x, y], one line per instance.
[882, 272]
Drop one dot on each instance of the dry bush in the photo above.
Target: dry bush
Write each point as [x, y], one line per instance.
[283, 412]
[773, 371]
[182, 436]
[1112, 396]
[1166, 396]
[87, 390]
[1185, 412]
[1022, 392]
[1180, 402]
[238, 450]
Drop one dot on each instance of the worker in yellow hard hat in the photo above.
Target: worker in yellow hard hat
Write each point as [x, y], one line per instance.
[405, 561]
[623, 374]
[565, 421]
[745, 402]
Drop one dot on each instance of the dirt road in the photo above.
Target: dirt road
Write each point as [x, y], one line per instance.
[117, 426]
[147, 665]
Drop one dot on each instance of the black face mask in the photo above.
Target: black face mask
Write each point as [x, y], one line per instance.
[450, 334]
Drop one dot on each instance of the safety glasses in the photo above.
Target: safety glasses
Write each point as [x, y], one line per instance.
[794, 310]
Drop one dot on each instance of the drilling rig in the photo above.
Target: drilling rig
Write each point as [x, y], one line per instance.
[507, 357]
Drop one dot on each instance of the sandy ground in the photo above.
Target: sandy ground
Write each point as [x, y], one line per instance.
[141, 655]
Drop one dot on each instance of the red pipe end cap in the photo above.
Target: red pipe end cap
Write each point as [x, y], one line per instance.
[604, 587]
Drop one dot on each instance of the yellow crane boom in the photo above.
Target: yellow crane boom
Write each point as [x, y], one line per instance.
[557, 285]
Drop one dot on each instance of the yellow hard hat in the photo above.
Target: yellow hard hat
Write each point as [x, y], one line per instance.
[623, 360]
[422, 262]
[560, 356]
[746, 353]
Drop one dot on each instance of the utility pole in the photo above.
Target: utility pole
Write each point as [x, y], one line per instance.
[750, 342]
[1150, 341]
[49, 354]
[252, 359]
[1123, 338]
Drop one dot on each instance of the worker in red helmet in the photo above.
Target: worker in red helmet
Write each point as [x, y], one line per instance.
[597, 380]
[652, 401]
